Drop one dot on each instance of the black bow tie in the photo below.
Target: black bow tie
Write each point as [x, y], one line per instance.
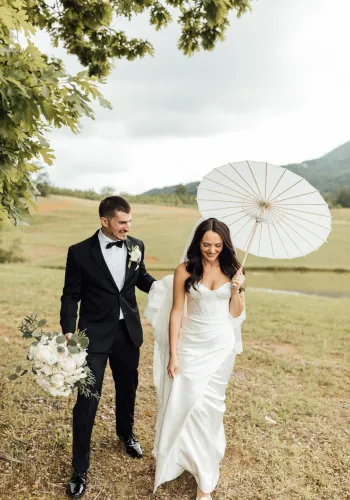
[118, 243]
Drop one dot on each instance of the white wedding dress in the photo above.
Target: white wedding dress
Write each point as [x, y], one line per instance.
[189, 432]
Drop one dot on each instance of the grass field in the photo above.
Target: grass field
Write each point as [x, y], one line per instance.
[62, 221]
[295, 369]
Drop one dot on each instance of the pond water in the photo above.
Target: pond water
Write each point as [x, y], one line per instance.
[324, 284]
[334, 295]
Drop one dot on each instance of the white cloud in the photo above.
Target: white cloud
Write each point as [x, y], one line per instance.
[275, 90]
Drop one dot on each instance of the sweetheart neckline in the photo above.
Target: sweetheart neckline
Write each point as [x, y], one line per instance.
[215, 289]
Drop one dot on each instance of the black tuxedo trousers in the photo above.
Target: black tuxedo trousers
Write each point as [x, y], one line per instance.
[123, 357]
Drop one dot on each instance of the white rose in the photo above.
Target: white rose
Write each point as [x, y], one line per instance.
[44, 354]
[79, 374]
[73, 379]
[43, 382]
[65, 392]
[135, 255]
[53, 391]
[80, 358]
[47, 369]
[67, 363]
[31, 352]
[58, 380]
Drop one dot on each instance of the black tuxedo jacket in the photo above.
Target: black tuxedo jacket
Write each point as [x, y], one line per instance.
[89, 281]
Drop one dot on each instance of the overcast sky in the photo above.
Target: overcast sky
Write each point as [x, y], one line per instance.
[276, 90]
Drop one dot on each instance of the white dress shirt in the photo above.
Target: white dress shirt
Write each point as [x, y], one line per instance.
[115, 259]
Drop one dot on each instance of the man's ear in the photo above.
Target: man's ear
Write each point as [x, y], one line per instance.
[104, 221]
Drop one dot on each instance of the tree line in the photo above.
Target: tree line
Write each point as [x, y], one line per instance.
[340, 197]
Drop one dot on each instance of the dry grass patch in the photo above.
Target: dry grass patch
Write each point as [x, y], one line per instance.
[294, 370]
[62, 221]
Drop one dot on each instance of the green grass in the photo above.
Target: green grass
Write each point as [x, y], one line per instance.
[62, 221]
[294, 369]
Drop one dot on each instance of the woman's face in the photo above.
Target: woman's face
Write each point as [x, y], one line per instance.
[211, 246]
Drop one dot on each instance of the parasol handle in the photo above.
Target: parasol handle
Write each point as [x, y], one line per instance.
[257, 222]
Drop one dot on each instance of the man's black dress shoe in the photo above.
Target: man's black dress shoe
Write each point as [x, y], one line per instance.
[131, 446]
[77, 484]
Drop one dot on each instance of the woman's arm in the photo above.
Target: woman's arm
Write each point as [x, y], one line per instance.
[176, 317]
[236, 303]
[237, 299]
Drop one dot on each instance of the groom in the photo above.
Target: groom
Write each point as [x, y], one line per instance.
[102, 273]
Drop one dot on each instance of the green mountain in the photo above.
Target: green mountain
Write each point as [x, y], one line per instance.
[327, 173]
[191, 188]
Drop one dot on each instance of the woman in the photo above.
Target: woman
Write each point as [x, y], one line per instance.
[207, 310]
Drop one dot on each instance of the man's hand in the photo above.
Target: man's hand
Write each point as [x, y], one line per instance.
[68, 335]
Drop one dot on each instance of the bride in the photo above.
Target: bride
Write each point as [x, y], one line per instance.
[196, 317]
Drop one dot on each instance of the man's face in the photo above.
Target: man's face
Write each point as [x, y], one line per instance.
[118, 227]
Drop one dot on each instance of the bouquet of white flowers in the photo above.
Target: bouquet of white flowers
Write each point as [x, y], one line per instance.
[58, 365]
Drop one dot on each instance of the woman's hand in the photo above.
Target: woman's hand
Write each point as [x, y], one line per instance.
[237, 280]
[173, 366]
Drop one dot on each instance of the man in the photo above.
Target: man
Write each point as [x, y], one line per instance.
[102, 273]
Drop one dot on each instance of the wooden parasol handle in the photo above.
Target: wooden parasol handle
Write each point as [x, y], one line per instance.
[257, 222]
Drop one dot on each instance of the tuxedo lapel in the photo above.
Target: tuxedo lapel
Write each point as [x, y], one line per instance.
[97, 255]
[127, 269]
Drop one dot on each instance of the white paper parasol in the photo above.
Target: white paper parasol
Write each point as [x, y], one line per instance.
[271, 211]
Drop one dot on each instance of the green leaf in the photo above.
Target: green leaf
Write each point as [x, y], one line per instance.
[24, 372]
[13, 376]
[18, 84]
[73, 349]
[60, 349]
[84, 342]
[75, 338]
[104, 103]
[72, 342]
[42, 323]
[60, 339]
[18, 369]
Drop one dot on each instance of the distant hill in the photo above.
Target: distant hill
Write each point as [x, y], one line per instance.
[327, 173]
[191, 188]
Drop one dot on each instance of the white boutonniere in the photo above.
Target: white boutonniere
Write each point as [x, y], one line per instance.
[135, 255]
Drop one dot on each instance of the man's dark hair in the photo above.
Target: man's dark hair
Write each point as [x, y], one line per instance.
[112, 204]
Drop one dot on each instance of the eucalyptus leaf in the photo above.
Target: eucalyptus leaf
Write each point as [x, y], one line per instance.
[73, 349]
[34, 344]
[60, 349]
[13, 376]
[60, 339]
[72, 342]
[34, 371]
[75, 338]
[18, 369]
[24, 372]
[84, 342]
[42, 323]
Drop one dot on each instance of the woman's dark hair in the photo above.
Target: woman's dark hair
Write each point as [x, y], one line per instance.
[112, 204]
[227, 258]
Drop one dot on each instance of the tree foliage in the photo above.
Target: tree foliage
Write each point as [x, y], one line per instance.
[42, 182]
[36, 94]
[341, 196]
[86, 26]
